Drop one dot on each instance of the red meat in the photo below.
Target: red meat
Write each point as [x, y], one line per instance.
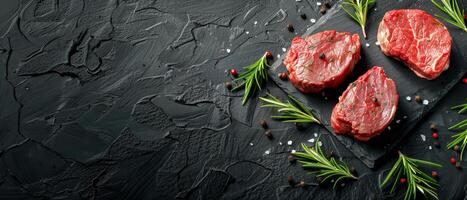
[416, 38]
[322, 60]
[367, 106]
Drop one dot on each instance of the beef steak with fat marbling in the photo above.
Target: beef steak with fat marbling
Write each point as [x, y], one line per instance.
[416, 38]
[322, 60]
[367, 106]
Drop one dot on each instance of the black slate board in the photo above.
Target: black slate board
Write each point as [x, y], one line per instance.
[408, 84]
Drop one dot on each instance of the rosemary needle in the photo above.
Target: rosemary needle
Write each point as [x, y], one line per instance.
[293, 111]
[360, 10]
[455, 13]
[325, 168]
[252, 78]
[460, 138]
[417, 180]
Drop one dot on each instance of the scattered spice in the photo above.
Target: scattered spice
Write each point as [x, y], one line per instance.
[435, 135]
[290, 27]
[291, 158]
[327, 4]
[375, 99]
[458, 165]
[234, 72]
[434, 174]
[464, 80]
[457, 148]
[228, 85]
[302, 184]
[283, 76]
[323, 9]
[452, 160]
[402, 180]
[322, 56]
[290, 180]
[303, 16]
[268, 54]
[268, 134]
[418, 99]
[433, 127]
[263, 124]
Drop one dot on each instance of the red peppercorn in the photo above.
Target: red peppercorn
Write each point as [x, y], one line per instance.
[402, 180]
[435, 135]
[268, 54]
[233, 72]
[464, 80]
[452, 160]
[434, 174]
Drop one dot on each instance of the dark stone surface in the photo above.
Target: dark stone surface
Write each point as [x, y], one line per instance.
[117, 99]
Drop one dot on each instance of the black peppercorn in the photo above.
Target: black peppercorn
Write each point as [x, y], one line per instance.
[456, 148]
[290, 28]
[228, 85]
[433, 127]
[327, 4]
[303, 16]
[322, 9]
[291, 158]
[418, 99]
[263, 124]
[458, 165]
[290, 180]
[322, 56]
[268, 134]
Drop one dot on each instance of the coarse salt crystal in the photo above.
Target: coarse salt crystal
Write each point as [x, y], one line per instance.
[247, 32]
[228, 50]
[429, 147]
[425, 102]
[293, 151]
[311, 140]
[267, 152]
[377, 43]
[284, 49]
[320, 143]
[318, 3]
[315, 134]
[251, 144]
[423, 137]
[256, 22]
[367, 44]
[313, 20]
[289, 142]
[398, 121]
[408, 98]
[280, 143]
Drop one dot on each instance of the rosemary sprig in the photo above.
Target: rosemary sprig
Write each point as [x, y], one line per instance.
[314, 159]
[460, 138]
[252, 78]
[462, 108]
[291, 112]
[417, 180]
[360, 10]
[451, 8]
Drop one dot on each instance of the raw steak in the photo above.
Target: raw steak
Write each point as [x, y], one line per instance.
[416, 38]
[367, 106]
[322, 60]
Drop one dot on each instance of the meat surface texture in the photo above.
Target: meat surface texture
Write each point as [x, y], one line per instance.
[322, 60]
[416, 38]
[367, 106]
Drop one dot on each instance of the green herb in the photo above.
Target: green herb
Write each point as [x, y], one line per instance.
[417, 180]
[252, 78]
[360, 10]
[314, 159]
[291, 112]
[460, 138]
[451, 8]
[462, 108]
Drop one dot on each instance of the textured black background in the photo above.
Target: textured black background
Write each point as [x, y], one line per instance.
[116, 99]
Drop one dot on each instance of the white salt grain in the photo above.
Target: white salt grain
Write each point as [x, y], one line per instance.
[423, 137]
[318, 3]
[398, 121]
[429, 147]
[320, 143]
[280, 143]
[367, 44]
[313, 20]
[289, 142]
[377, 43]
[267, 152]
[425, 102]
[228, 50]
[315, 134]
[408, 98]
[251, 144]
[278, 55]
[284, 49]
[247, 32]
[311, 140]
[293, 151]
[256, 22]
